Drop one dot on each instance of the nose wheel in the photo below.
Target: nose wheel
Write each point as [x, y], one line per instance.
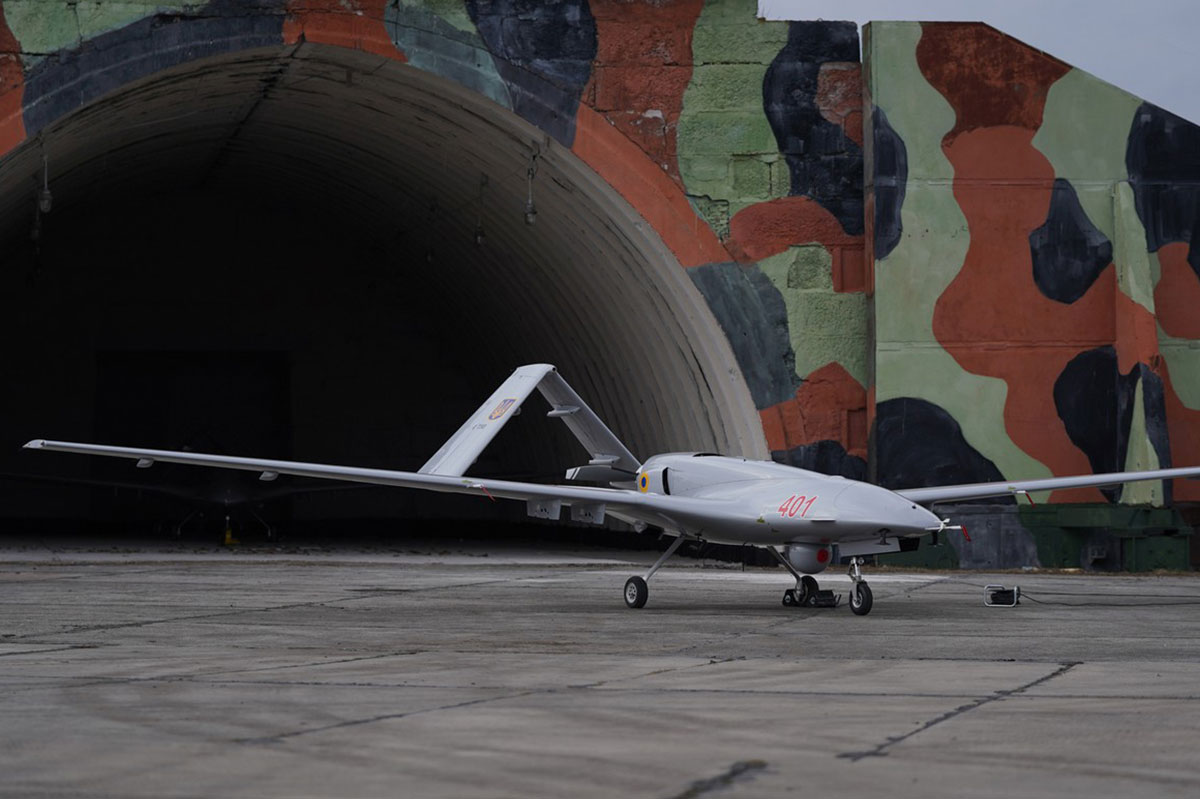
[860, 593]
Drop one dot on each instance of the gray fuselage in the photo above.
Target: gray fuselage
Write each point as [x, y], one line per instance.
[762, 502]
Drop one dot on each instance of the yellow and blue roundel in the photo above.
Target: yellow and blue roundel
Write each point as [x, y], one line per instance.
[644, 482]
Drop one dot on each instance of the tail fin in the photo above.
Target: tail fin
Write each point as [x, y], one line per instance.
[462, 448]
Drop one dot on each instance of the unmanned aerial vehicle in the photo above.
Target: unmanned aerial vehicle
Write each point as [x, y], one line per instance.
[804, 519]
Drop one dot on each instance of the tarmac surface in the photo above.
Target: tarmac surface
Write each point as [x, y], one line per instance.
[188, 672]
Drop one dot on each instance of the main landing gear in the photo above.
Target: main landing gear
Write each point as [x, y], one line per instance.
[807, 593]
[636, 589]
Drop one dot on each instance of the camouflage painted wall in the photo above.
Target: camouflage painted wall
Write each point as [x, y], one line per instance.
[1012, 294]
[738, 141]
[1035, 287]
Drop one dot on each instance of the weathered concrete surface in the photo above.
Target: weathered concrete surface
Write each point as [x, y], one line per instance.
[520, 673]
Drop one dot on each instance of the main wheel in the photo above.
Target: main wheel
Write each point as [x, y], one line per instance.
[861, 599]
[789, 598]
[636, 592]
[808, 589]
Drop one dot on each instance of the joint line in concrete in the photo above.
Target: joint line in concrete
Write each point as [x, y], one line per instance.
[881, 749]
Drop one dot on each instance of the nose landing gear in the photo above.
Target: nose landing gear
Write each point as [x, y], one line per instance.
[860, 593]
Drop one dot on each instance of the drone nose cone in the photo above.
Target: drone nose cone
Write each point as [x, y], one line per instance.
[910, 517]
[921, 517]
[874, 507]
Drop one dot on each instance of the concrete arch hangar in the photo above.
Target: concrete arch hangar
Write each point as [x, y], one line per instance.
[319, 251]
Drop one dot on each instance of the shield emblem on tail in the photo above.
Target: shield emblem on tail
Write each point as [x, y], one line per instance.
[501, 409]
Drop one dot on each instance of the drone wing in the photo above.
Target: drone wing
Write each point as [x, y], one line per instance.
[587, 504]
[927, 496]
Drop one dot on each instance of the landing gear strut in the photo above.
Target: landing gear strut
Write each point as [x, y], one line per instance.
[860, 593]
[636, 589]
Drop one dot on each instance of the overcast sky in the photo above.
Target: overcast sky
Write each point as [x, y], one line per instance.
[1148, 47]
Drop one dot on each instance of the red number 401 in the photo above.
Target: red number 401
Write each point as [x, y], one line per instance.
[793, 504]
